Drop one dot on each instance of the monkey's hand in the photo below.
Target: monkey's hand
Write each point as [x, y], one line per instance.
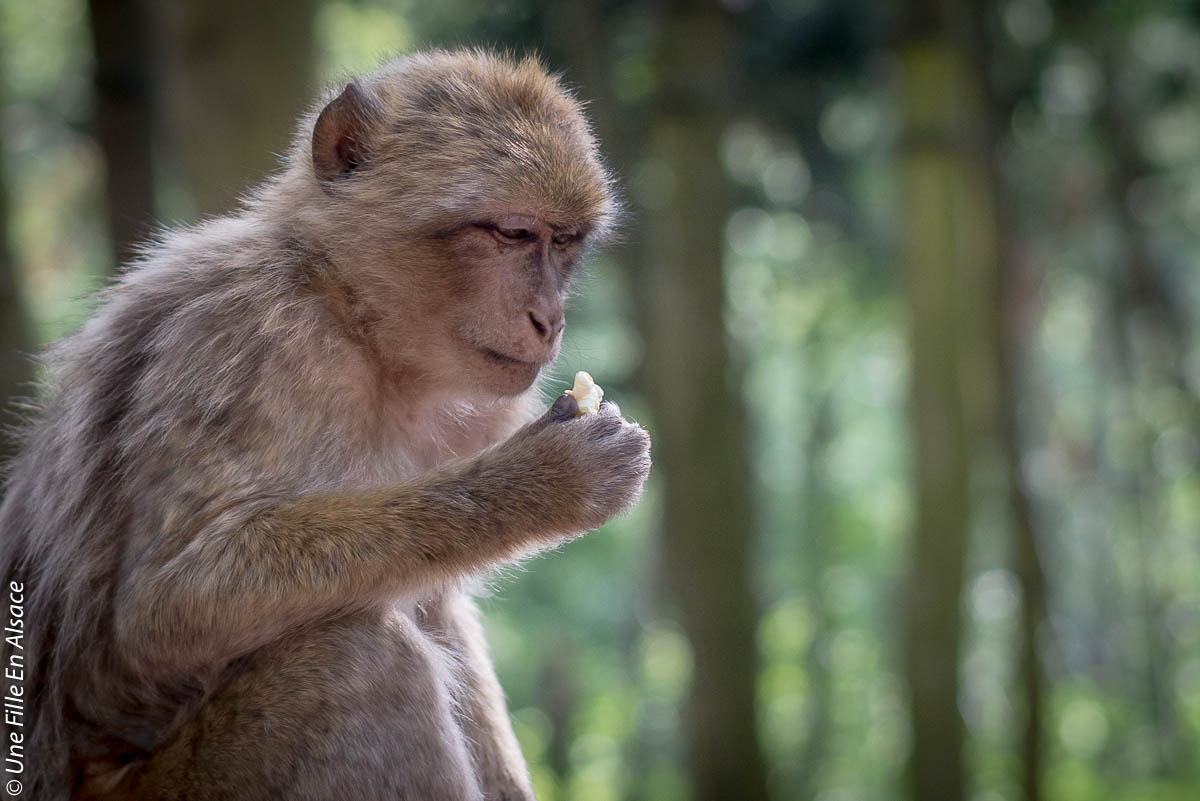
[577, 471]
[557, 477]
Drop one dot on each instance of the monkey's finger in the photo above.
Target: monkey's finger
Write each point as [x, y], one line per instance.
[565, 408]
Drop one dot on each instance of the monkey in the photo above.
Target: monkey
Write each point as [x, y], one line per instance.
[265, 478]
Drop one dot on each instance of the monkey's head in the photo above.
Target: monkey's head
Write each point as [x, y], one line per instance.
[456, 194]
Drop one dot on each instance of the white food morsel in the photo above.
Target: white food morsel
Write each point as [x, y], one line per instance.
[587, 393]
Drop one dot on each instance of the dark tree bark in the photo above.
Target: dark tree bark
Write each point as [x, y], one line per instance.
[947, 255]
[692, 384]
[1142, 298]
[123, 117]
[674, 253]
[16, 342]
[815, 538]
[558, 693]
[1027, 560]
[16, 339]
[239, 75]
[1010, 311]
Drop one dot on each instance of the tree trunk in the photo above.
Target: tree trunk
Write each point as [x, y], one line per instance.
[239, 74]
[558, 692]
[1026, 559]
[16, 341]
[123, 118]
[699, 431]
[816, 540]
[947, 248]
[676, 254]
[1143, 299]
[1010, 305]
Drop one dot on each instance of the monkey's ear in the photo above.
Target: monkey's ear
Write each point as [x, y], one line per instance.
[341, 138]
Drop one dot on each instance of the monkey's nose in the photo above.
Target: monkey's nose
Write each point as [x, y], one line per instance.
[547, 324]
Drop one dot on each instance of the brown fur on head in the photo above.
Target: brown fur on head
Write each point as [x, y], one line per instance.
[452, 194]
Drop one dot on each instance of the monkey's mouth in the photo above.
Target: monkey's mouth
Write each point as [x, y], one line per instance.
[508, 361]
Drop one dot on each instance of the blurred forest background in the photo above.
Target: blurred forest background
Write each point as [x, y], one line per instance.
[906, 298]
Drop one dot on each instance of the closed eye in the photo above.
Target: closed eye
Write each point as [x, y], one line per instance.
[508, 235]
[515, 234]
[567, 238]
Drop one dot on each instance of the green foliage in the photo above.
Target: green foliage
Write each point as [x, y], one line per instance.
[53, 168]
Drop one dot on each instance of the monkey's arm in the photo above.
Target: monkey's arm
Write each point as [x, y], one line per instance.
[454, 620]
[233, 587]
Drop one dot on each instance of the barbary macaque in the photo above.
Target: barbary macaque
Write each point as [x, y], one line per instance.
[265, 475]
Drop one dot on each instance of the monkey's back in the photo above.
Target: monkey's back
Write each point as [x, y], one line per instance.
[143, 388]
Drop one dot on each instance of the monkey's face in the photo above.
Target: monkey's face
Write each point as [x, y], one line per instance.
[502, 284]
[458, 193]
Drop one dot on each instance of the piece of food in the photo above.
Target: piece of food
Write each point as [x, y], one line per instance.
[587, 393]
